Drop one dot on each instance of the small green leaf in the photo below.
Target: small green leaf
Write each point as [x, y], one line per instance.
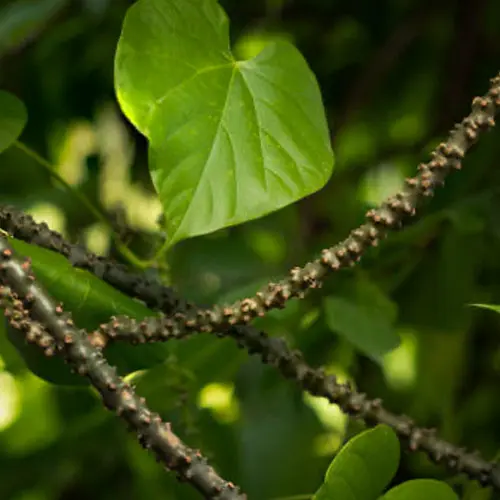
[491, 307]
[91, 301]
[418, 489]
[370, 329]
[363, 467]
[229, 140]
[13, 117]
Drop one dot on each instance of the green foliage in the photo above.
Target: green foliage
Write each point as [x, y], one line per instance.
[418, 489]
[91, 302]
[13, 118]
[366, 464]
[363, 467]
[366, 328]
[389, 98]
[230, 140]
[365, 317]
[438, 297]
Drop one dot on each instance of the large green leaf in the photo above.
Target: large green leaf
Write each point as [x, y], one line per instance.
[363, 467]
[418, 489]
[230, 140]
[91, 302]
[368, 327]
[13, 117]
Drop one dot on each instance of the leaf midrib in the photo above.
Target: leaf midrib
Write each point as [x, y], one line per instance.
[195, 74]
[217, 131]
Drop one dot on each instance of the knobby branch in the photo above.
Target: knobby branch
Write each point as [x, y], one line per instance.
[44, 323]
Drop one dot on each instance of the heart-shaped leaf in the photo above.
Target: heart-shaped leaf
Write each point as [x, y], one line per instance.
[363, 467]
[417, 489]
[13, 117]
[91, 301]
[230, 140]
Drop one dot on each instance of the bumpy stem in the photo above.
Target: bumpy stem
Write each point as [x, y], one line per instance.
[152, 292]
[229, 320]
[31, 302]
[389, 216]
[291, 364]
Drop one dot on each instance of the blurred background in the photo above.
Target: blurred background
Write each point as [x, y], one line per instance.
[395, 75]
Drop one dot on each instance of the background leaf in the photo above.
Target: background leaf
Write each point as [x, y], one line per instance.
[417, 489]
[368, 327]
[230, 140]
[13, 117]
[363, 467]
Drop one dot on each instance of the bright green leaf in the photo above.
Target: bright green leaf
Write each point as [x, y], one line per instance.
[418, 489]
[230, 140]
[13, 117]
[91, 301]
[370, 329]
[363, 467]
[491, 307]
